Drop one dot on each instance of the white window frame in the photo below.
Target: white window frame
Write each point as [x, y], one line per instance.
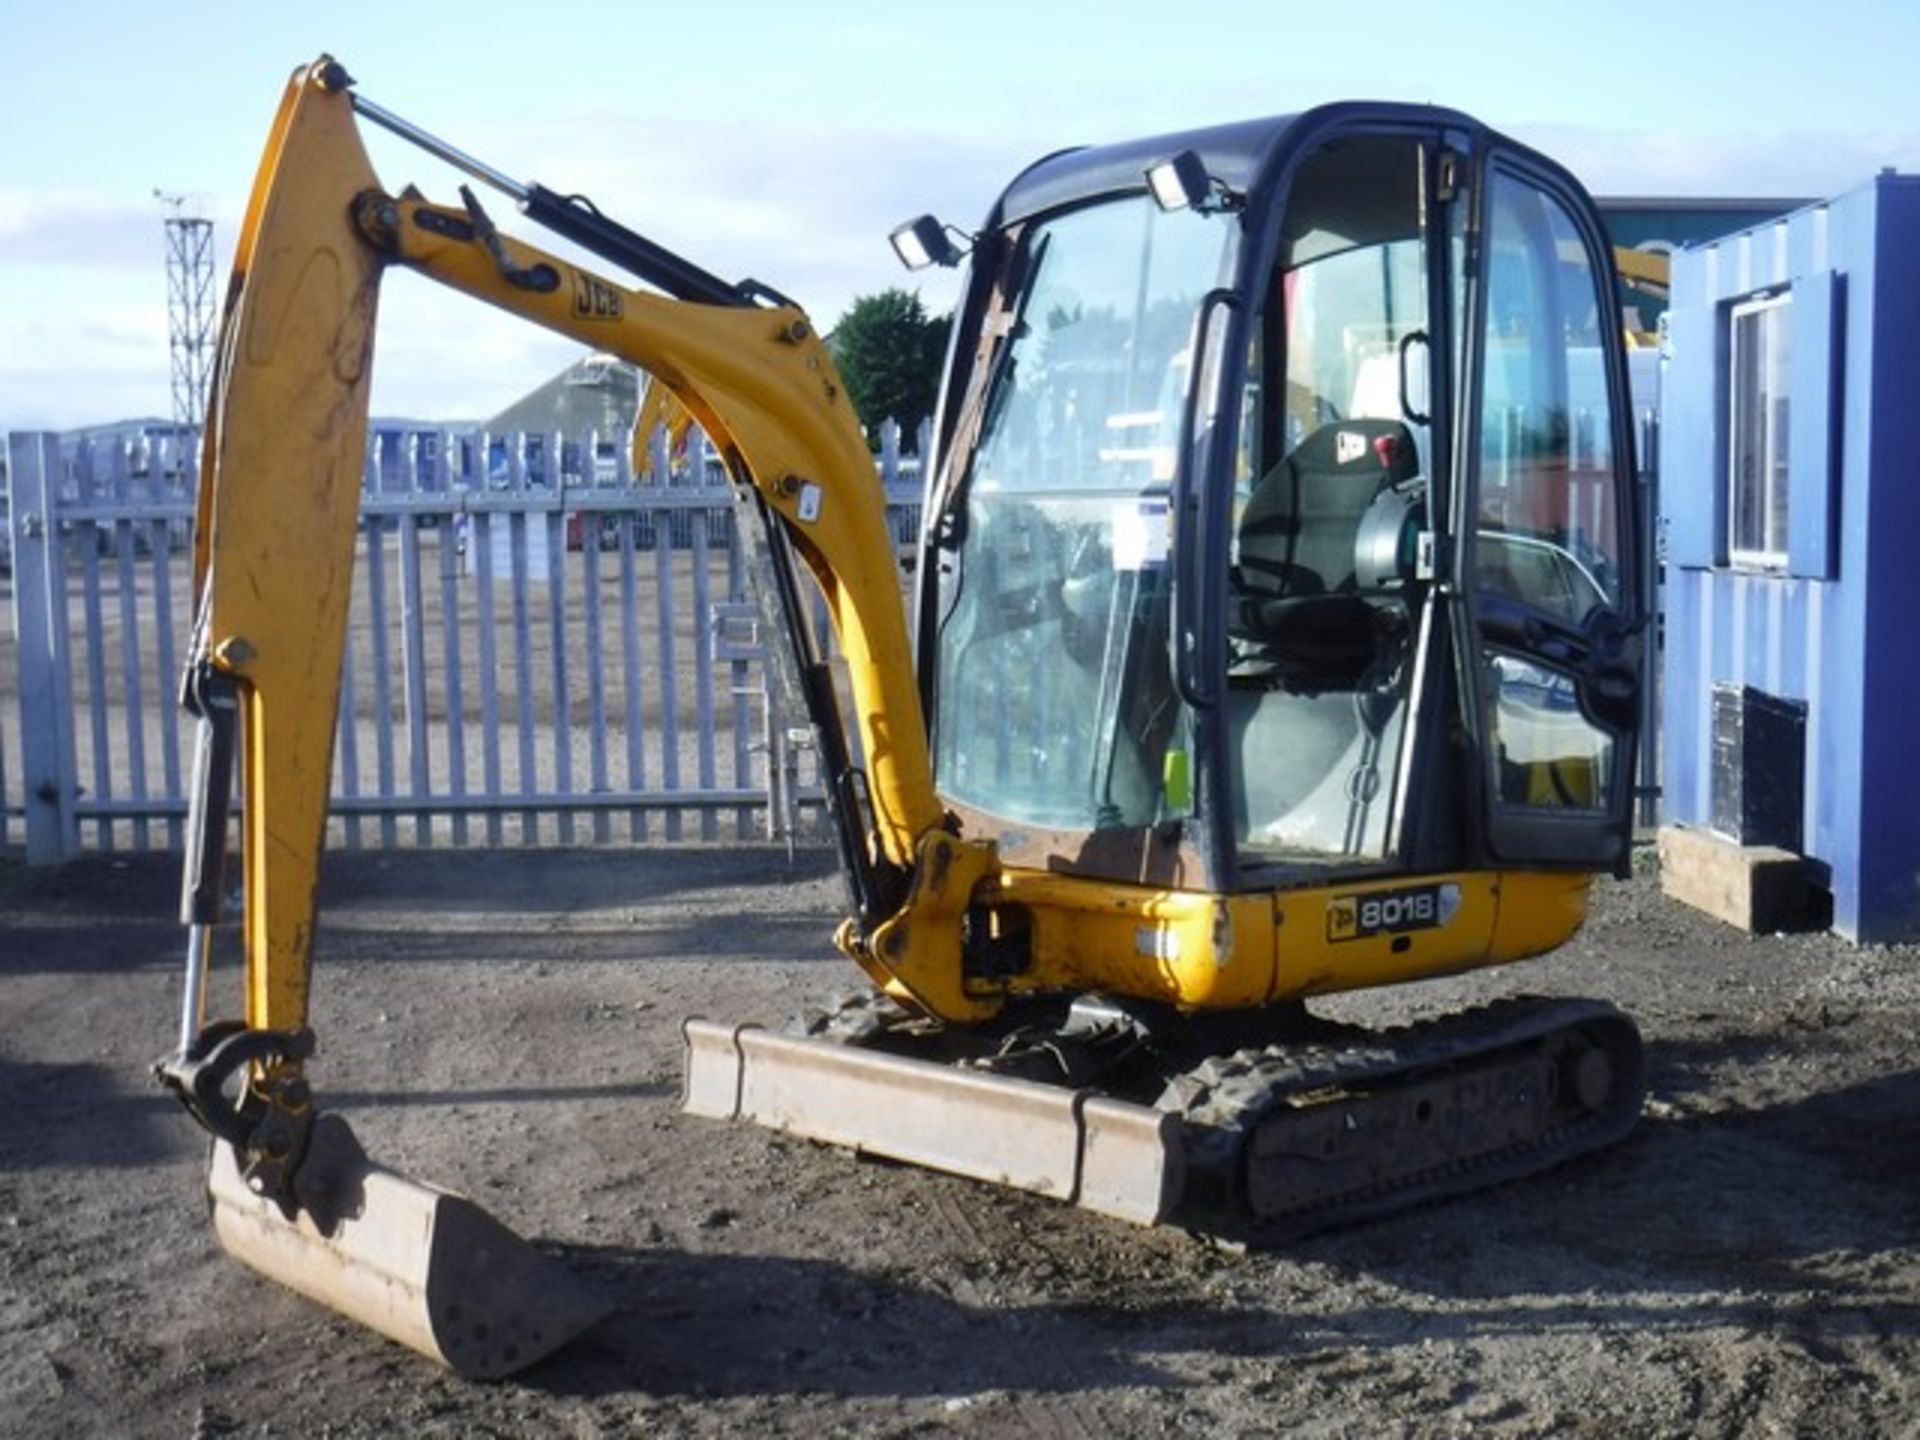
[1774, 432]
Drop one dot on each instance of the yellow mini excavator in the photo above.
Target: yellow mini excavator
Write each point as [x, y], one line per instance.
[1277, 633]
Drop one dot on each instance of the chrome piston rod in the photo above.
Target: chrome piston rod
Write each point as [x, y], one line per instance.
[571, 216]
[440, 149]
[193, 1000]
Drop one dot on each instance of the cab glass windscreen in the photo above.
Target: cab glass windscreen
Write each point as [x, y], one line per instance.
[1054, 702]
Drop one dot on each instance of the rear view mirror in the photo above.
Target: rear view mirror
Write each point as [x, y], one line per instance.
[924, 241]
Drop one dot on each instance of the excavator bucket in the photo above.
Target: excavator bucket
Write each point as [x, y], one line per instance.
[421, 1265]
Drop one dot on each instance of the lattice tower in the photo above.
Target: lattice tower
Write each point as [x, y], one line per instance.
[189, 306]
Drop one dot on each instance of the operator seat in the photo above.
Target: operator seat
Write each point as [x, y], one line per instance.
[1295, 606]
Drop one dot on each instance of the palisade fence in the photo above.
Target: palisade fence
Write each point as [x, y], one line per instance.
[543, 647]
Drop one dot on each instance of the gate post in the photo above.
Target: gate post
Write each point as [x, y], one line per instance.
[48, 770]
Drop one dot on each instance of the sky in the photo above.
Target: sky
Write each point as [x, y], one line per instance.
[783, 141]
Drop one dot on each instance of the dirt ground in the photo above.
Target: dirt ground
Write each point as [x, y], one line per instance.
[1748, 1263]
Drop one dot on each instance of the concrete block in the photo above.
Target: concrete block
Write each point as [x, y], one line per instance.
[1759, 888]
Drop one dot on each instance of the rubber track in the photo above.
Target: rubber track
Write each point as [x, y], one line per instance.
[1223, 1101]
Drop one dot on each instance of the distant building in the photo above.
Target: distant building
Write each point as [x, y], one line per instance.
[600, 393]
[148, 428]
[395, 443]
[1665, 223]
[428, 455]
[145, 458]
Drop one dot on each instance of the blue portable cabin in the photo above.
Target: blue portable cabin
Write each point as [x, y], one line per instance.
[1790, 507]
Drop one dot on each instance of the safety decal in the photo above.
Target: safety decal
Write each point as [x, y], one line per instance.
[1142, 534]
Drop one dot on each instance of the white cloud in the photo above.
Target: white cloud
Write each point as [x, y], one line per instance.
[81, 343]
[81, 229]
[804, 206]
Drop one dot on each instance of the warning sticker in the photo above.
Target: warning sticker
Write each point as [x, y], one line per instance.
[1142, 534]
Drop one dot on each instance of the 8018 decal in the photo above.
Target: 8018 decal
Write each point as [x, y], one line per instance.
[1391, 912]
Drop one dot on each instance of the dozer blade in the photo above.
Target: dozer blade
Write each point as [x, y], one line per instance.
[1107, 1155]
[421, 1265]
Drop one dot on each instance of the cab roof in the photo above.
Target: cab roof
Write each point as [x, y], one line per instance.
[1245, 156]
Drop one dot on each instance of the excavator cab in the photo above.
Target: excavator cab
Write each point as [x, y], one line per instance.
[1278, 633]
[1283, 536]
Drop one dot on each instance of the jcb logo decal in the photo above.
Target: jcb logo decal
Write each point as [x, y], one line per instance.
[594, 299]
[1343, 918]
[1391, 912]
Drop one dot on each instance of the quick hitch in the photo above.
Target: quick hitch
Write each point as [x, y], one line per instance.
[271, 1122]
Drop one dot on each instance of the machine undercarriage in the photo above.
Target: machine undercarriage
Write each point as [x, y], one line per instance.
[1260, 1126]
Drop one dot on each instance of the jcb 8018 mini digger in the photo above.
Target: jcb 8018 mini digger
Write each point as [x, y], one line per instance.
[1277, 633]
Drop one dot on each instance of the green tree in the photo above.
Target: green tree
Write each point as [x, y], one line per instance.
[889, 352]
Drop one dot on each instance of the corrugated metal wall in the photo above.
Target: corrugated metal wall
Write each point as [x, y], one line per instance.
[1837, 626]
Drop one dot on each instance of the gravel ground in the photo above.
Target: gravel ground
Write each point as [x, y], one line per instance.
[1747, 1263]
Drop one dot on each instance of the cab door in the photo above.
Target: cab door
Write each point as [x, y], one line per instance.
[1551, 649]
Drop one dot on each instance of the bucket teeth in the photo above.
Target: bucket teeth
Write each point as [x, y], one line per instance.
[422, 1266]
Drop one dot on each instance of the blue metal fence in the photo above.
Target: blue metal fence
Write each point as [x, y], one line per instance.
[536, 654]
